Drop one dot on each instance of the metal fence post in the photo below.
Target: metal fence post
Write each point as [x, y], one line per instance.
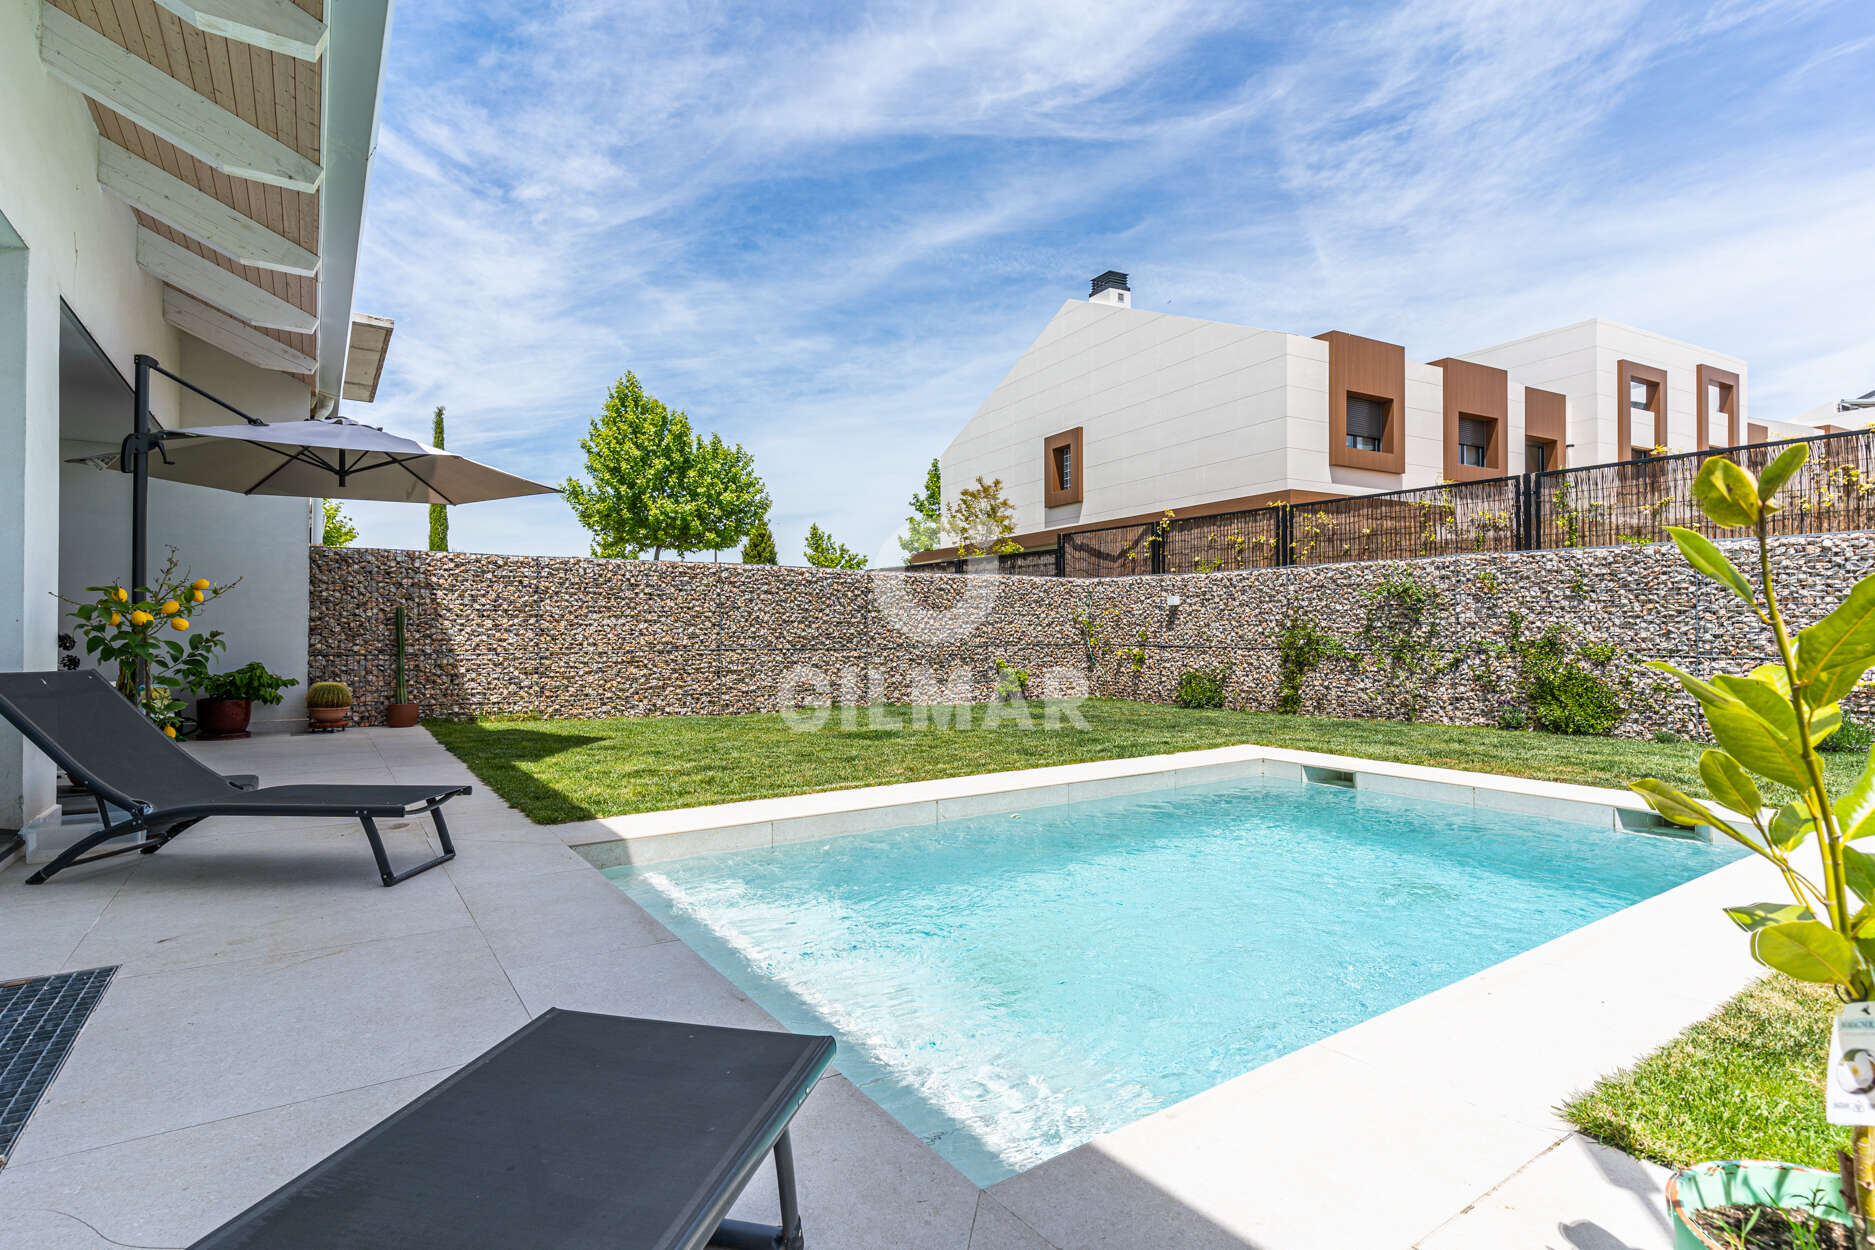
[1158, 547]
[1061, 555]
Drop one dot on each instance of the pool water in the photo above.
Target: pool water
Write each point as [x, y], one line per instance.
[1009, 987]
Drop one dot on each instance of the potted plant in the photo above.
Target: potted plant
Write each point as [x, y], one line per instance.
[225, 701]
[402, 713]
[328, 704]
[1768, 726]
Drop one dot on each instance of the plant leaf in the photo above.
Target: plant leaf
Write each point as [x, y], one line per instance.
[1855, 811]
[1745, 736]
[1825, 721]
[1808, 950]
[1839, 648]
[1781, 469]
[1703, 555]
[1730, 784]
[1791, 826]
[1858, 869]
[1764, 698]
[1701, 690]
[1673, 805]
[1726, 493]
[1754, 916]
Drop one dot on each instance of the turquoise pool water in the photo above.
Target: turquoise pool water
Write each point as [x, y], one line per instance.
[1011, 986]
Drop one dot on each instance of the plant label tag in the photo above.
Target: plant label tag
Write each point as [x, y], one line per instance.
[1851, 1097]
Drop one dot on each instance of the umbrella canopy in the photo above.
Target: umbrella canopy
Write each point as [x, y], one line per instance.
[329, 458]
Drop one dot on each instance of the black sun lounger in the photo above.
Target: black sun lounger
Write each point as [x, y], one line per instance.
[579, 1132]
[105, 745]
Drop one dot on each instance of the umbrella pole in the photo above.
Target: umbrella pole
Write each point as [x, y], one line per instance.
[138, 467]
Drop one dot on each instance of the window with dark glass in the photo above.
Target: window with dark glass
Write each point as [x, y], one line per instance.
[1536, 457]
[1474, 438]
[1367, 422]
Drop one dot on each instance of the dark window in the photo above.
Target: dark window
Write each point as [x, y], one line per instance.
[1474, 438]
[1367, 422]
[1535, 457]
[1064, 468]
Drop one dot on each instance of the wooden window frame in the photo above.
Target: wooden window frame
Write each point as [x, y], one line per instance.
[1546, 420]
[1481, 393]
[1734, 427]
[1054, 495]
[1372, 370]
[1628, 372]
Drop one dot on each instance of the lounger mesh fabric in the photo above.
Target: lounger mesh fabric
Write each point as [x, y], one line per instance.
[579, 1132]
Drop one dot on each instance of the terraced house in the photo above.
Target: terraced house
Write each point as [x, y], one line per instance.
[1115, 414]
[184, 182]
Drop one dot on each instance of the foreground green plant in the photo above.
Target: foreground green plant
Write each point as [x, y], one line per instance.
[147, 636]
[1768, 726]
[253, 682]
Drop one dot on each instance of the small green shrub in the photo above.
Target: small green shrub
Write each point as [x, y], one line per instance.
[1513, 717]
[1011, 683]
[1202, 687]
[251, 681]
[1302, 647]
[1666, 737]
[1563, 686]
[1854, 736]
[328, 694]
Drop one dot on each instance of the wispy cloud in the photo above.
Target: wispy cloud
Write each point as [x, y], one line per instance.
[829, 236]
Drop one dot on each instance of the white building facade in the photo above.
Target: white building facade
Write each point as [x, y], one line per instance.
[1115, 414]
[193, 194]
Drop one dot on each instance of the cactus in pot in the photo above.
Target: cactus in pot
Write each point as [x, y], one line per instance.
[402, 713]
[328, 702]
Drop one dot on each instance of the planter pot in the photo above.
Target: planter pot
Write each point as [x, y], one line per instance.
[223, 718]
[400, 715]
[1747, 1182]
[329, 715]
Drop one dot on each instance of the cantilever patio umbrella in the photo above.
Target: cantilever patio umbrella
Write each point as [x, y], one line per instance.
[320, 457]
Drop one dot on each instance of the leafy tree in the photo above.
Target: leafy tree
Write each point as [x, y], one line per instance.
[439, 513]
[981, 520]
[926, 521]
[339, 530]
[657, 486]
[760, 547]
[824, 553]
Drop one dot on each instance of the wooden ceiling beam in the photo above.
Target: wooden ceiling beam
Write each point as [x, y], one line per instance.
[226, 290]
[166, 106]
[198, 214]
[231, 335]
[276, 25]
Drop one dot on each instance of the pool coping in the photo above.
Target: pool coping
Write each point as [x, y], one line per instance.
[678, 833]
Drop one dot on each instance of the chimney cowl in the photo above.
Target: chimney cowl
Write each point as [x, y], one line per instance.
[1111, 288]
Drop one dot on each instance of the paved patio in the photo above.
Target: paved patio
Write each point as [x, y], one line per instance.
[274, 1001]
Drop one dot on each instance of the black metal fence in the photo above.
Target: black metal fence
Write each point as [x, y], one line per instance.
[1601, 505]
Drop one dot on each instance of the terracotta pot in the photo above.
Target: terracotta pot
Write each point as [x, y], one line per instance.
[400, 715]
[222, 718]
[329, 715]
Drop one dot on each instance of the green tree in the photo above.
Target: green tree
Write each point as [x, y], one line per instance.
[439, 513]
[339, 530]
[926, 521]
[656, 486]
[760, 547]
[824, 553]
[982, 519]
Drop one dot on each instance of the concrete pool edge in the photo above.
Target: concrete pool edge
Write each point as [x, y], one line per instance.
[679, 833]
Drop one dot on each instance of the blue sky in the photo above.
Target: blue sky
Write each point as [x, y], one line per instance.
[827, 232]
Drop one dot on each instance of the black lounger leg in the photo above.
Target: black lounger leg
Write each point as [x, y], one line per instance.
[384, 864]
[742, 1235]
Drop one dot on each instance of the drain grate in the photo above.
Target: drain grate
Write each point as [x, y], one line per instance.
[39, 1020]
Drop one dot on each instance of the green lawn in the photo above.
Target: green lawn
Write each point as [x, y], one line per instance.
[1746, 1083]
[558, 771]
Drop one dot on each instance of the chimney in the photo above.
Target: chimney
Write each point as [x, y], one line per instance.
[1110, 288]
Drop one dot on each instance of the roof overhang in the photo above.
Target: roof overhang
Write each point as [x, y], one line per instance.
[364, 362]
[240, 133]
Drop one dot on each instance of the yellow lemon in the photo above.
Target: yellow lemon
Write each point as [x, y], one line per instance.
[140, 617]
[123, 596]
[117, 618]
[197, 596]
[200, 583]
[171, 608]
[170, 730]
[181, 622]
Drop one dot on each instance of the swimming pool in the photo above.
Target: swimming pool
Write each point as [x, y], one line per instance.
[1011, 986]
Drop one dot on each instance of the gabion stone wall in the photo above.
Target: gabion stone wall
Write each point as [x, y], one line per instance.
[576, 637]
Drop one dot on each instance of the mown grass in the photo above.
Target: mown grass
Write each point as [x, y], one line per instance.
[557, 771]
[1745, 1083]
